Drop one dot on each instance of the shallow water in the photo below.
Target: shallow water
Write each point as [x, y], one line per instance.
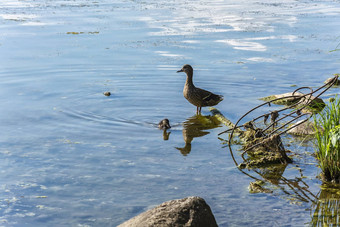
[72, 156]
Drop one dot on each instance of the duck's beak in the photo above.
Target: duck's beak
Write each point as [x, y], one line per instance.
[179, 71]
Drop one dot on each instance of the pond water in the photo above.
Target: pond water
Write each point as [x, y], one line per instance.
[71, 156]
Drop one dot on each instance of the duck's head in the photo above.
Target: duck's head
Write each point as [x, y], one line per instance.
[164, 124]
[187, 69]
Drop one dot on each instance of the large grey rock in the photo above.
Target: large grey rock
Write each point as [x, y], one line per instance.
[190, 211]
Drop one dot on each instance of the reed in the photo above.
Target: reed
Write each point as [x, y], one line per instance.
[327, 128]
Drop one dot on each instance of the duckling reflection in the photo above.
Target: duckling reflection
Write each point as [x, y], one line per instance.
[166, 134]
[164, 125]
[194, 127]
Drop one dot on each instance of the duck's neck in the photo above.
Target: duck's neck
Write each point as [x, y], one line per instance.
[189, 81]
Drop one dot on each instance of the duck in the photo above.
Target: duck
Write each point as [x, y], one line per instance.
[164, 124]
[197, 96]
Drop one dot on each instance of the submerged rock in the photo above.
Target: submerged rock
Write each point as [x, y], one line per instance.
[190, 211]
[269, 151]
[306, 128]
[329, 80]
[256, 187]
[316, 104]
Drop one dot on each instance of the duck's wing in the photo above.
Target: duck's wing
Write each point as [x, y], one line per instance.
[208, 97]
[213, 97]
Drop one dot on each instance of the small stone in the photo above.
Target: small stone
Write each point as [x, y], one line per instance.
[242, 165]
[107, 93]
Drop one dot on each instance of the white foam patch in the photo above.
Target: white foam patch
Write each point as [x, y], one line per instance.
[18, 17]
[33, 23]
[244, 45]
[259, 59]
[167, 54]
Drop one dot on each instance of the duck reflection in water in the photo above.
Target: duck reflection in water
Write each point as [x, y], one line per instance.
[194, 127]
[165, 125]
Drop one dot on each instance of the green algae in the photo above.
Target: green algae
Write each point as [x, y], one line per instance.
[258, 187]
[80, 33]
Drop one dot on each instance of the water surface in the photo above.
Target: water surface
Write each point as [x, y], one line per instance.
[72, 156]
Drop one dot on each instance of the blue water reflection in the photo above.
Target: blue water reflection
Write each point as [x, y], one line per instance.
[72, 156]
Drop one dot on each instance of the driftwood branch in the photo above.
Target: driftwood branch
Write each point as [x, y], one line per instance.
[263, 146]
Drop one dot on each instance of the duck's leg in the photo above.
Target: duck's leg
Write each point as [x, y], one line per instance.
[199, 108]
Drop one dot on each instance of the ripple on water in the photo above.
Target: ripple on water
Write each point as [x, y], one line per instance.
[72, 156]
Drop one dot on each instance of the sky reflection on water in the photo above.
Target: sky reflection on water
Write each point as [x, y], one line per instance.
[72, 156]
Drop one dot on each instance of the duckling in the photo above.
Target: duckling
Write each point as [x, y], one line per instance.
[197, 96]
[164, 124]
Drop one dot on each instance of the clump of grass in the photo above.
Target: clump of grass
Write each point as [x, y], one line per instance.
[327, 127]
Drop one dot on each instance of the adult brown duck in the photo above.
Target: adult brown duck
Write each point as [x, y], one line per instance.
[197, 96]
